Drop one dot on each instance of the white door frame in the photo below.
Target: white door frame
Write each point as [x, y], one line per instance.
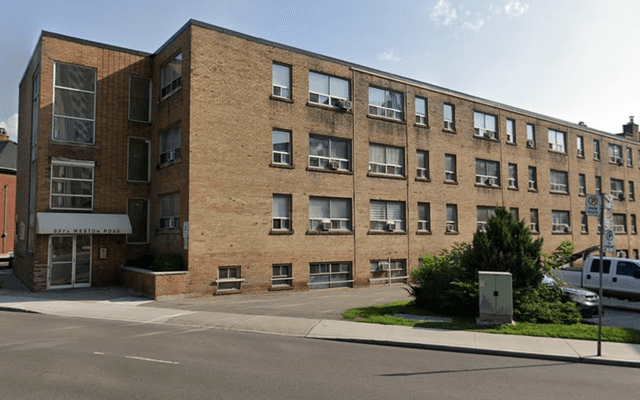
[73, 284]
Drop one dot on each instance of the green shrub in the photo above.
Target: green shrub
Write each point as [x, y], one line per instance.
[167, 262]
[544, 305]
[144, 262]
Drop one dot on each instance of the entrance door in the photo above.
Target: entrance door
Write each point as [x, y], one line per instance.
[69, 262]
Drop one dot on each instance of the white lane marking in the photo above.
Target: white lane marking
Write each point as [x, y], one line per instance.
[62, 329]
[152, 360]
[98, 353]
[146, 334]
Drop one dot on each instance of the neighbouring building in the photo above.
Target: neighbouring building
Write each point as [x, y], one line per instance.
[267, 167]
[8, 164]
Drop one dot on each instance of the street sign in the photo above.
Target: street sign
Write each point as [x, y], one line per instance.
[592, 205]
[607, 201]
[609, 239]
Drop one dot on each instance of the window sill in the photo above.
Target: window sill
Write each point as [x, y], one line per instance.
[170, 94]
[283, 166]
[329, 170]
[446, 182]
[582, 194]
[561, 233]
[418, 179]
[330, 232]
[168, 163]
[479, 185]
[533, 190]
[423, 232]
[66, 143]
[281, 232]
[486, 138]
[380, 118]
[377, 175]
[559, 193]
[514, 188]
[423, 126]
[227, 291]
[597, 159]
[452, 233]
[564, 153]
[281, 287]
[282, 99]
[511, 143]
[531, 147]
[451, 131]
[378, 232]
[535, 232]
[584, 233]
[329, 108]
[579, 156]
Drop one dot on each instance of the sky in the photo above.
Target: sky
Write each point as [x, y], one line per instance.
[575, 60]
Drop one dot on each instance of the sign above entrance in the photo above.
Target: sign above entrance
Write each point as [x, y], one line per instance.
[82, 224]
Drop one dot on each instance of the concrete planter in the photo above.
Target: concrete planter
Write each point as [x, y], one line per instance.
[158, 285]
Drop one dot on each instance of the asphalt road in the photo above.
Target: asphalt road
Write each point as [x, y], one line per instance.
[48, 357]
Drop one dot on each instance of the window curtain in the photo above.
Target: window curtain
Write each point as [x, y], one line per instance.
[377, 154]
[280, 206]
[318, 83]
[377, 211]
[318, 208]
[340, 149]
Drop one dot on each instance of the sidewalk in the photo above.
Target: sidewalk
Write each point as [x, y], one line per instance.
[122, 305]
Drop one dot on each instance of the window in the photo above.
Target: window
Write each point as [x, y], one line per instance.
[386, 215]
[450, 168]
[330, 153]
[139, 99]
[596, 149]
[560, 221]
[513, 176]
[484, 214]
[515, 213]
[169, 211]
[484, 125]
[170, 80]
[421, 111]
[138, 160]
[386, 160]
[74, 103]
[617, 189]
[580, 146]
[229, 278]
[329, 275]
[281, 80]
[326, 214]
[533, 221]
[559, 182]
[138, 212]
[388, 271]
[606, 266]
[170, 144]
[629, 157]
[281, 212]
[452, 218]
[281, 142]
[584, 222]
[328, 90]
[531, 135]
[386, 103]
[533, 179]
[424, 217]
[632, 191]
[487, 173]
[615, 154]
[634, 226]
[557, 141]
[449, 117]
[626, 268]
[635, 253]
[620, 223]
[598, 184]
[72, 184]
[622, 254]
[582, 185]
[281, 275]
[423, 164]
[511, 131]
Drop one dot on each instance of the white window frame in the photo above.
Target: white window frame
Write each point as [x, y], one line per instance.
[449, 121]
[386, 168]
[596, 149]
[511, 130]
[171, 219]
[617, 188]
[77, 164]
[384, 110]
[331, 270]
[482, 125]
[534, 220]
[388, 271]
[580, 146]
[170, 85]
[620, 223]
[632, 191]
[330, 162]
[332, 99]
[421, 112]
[148, 143]
[557, 141]
[280, 90]
[451, 217]
[584, 222]
[598, 184]
[148, 219]
[331, 222]
[484, 178]
[582, 184]
[229, 284]
[559, 181]
[92, 120]
[513, 176]
[278, 222]
[629, 157]
[450, 175]
[560, 221]
[531, 136]
[279, 279]
[386, 223]
[131, 106]
[633, 224]
[279, 157]
[483, 215]
[615, 154]
[172, 152]
[424, 220]
[422, 169]
[533, 178]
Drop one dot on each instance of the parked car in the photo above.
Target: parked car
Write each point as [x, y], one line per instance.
[586, 300]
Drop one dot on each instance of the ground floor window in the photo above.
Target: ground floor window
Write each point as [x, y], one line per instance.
[330, 275]
[229, 278]
[388, 271]
[281, 276]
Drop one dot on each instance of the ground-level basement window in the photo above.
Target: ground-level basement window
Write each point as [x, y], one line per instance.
[330, 275]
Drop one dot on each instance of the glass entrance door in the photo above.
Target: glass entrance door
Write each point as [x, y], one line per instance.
[69, 261]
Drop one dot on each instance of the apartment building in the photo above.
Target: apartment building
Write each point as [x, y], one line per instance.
[267, 167]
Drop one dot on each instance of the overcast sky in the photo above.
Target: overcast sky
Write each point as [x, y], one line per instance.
[577, 60]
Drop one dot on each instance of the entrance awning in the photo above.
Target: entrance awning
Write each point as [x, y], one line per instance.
[82, 224]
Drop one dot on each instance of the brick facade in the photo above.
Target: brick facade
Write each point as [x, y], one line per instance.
[226, 178]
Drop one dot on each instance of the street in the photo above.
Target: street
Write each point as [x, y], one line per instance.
[49, 357]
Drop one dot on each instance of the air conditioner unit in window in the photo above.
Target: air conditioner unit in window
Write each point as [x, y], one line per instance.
[169, 223]
[531, 143]
[490, 181]
[384, 265]
[620, 196]
[567, 229]
[391, 225]
[491, 134]
[478, 132]
[325, 225]
[171, 155]
[619, 161]
[345, 104]
[532, 185]
[448, 125]
[333, 164]
[451, 228]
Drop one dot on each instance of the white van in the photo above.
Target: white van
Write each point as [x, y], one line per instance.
[620, 276]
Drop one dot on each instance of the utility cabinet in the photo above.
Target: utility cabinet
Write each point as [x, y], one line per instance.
[496, 297]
